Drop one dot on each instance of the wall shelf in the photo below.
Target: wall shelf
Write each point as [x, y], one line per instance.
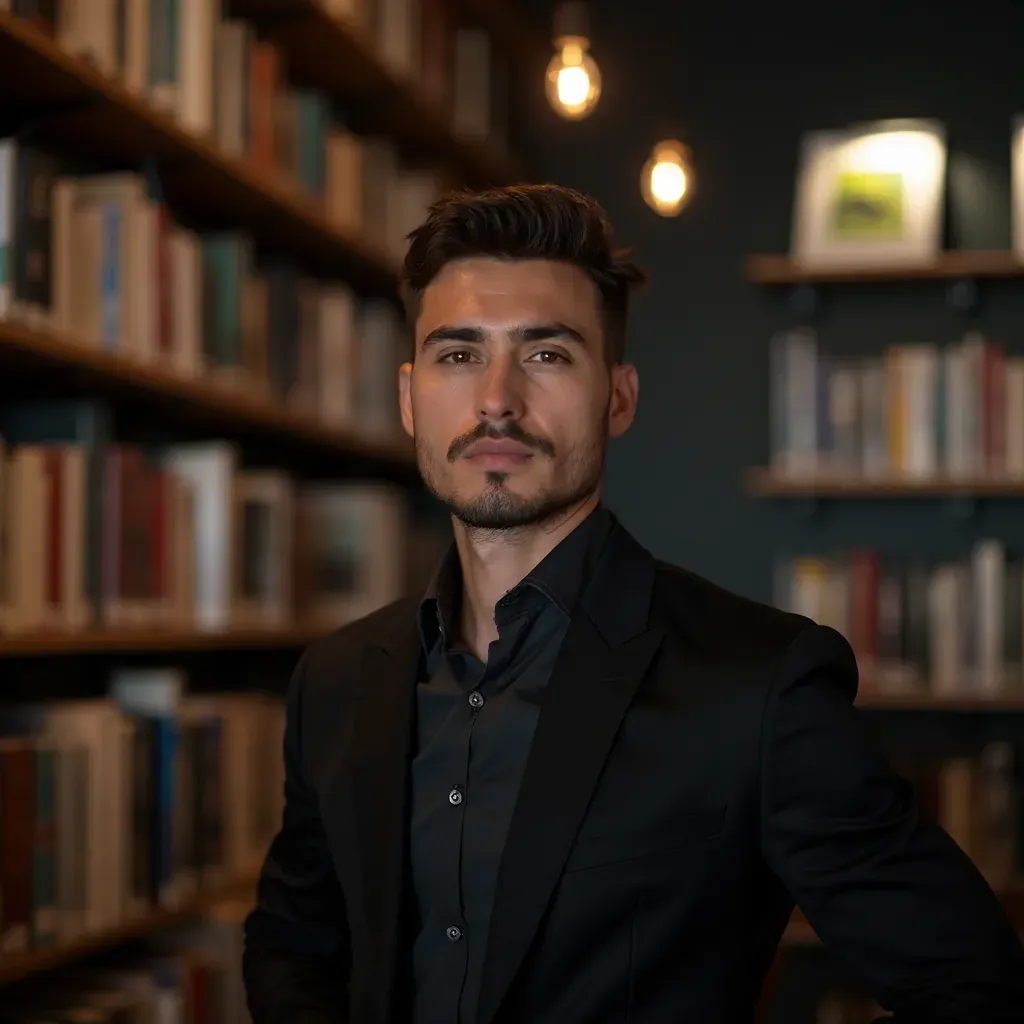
[765, 482]
[966, 703]
[950, 266]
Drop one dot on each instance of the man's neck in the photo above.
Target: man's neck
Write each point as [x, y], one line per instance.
[494, 561]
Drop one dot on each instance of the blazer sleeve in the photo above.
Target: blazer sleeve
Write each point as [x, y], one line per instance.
[297, 954]
[888, 892]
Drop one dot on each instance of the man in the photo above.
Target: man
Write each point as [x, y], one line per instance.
[572, 784]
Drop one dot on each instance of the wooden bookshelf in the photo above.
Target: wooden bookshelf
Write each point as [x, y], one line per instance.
[18, 966]
[950, 266]
[82, 111]
[323, 52]
[47, 644]
[765, 482]
[220, 406]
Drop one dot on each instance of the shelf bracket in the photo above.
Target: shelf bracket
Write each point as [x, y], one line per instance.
[961, 507]
[962, 296]
[806, 507]
[805, 301]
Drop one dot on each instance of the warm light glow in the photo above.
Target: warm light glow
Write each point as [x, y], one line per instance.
[573, 81]
[573, 86]
[667, 181]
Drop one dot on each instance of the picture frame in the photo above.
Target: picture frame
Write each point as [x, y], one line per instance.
[871, 196]
[1017, 185]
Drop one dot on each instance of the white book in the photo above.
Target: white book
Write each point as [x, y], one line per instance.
[209, 468]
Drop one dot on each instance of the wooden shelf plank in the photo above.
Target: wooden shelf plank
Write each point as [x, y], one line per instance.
[964, 703]
[518, 33]
[50, 643]
[778, 269]
[324, 52]
[18, 966]
[767, 483]
[82, 111]
[224, 407]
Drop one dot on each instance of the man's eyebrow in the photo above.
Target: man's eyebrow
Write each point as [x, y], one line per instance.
[519, 333]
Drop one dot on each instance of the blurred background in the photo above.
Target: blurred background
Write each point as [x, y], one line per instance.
[202, 212]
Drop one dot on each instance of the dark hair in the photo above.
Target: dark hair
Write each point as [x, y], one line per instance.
[523, 222]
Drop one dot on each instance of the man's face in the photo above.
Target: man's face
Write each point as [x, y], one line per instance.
[510, 400]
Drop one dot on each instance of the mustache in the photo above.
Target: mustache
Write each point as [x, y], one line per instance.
[510, 431]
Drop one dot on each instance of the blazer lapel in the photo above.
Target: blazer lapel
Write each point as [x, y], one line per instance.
[383, 717]
[602, 661]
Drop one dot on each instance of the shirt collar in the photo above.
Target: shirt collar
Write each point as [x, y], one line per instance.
[560, 577]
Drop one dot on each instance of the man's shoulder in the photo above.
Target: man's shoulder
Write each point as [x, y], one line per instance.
[340, 649]
[716, 617]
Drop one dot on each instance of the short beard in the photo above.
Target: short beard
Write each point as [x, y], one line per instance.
[499, 510]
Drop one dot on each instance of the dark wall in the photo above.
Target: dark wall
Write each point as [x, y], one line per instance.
[739, 84]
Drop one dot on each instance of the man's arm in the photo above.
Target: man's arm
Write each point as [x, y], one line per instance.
[886, 889]
[297, 957]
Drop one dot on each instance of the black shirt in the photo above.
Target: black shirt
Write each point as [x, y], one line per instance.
[475, 723]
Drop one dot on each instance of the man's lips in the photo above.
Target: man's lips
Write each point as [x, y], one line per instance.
[504, 449]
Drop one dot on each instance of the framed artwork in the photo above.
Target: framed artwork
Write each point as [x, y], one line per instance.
[870, 195]
[1017, 178]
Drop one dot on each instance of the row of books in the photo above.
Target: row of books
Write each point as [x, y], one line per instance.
[208, 69]
[97, 259]
[99, 533]
[113, 807]
[953, 626]
[916, 410]
[190, 974]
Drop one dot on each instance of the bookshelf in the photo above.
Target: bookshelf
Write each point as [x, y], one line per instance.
[276, 428]
[29, 963]
[772, 269]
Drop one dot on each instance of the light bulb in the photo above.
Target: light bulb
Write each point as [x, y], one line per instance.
[573, 81]
[666, 181]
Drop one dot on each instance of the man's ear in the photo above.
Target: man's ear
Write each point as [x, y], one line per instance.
[405, 396]
[624, 397]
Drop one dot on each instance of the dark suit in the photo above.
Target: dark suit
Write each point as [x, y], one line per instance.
[696, 767]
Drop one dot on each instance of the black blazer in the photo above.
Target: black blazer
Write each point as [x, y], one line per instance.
[697, 767]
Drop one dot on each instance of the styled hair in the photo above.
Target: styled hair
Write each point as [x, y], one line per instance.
[526, 222]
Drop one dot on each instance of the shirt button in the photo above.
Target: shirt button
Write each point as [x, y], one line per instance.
[476, 699]
[455, 796]
[454, 933]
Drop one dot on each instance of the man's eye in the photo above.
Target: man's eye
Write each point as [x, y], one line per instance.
[458, 357]
[548, 356]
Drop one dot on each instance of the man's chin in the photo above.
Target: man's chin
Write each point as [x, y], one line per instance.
[498, 508]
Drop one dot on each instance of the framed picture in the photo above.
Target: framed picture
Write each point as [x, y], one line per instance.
[1017, 177]
[870, 195]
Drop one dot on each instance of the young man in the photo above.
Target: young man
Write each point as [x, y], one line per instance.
[572, 784]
